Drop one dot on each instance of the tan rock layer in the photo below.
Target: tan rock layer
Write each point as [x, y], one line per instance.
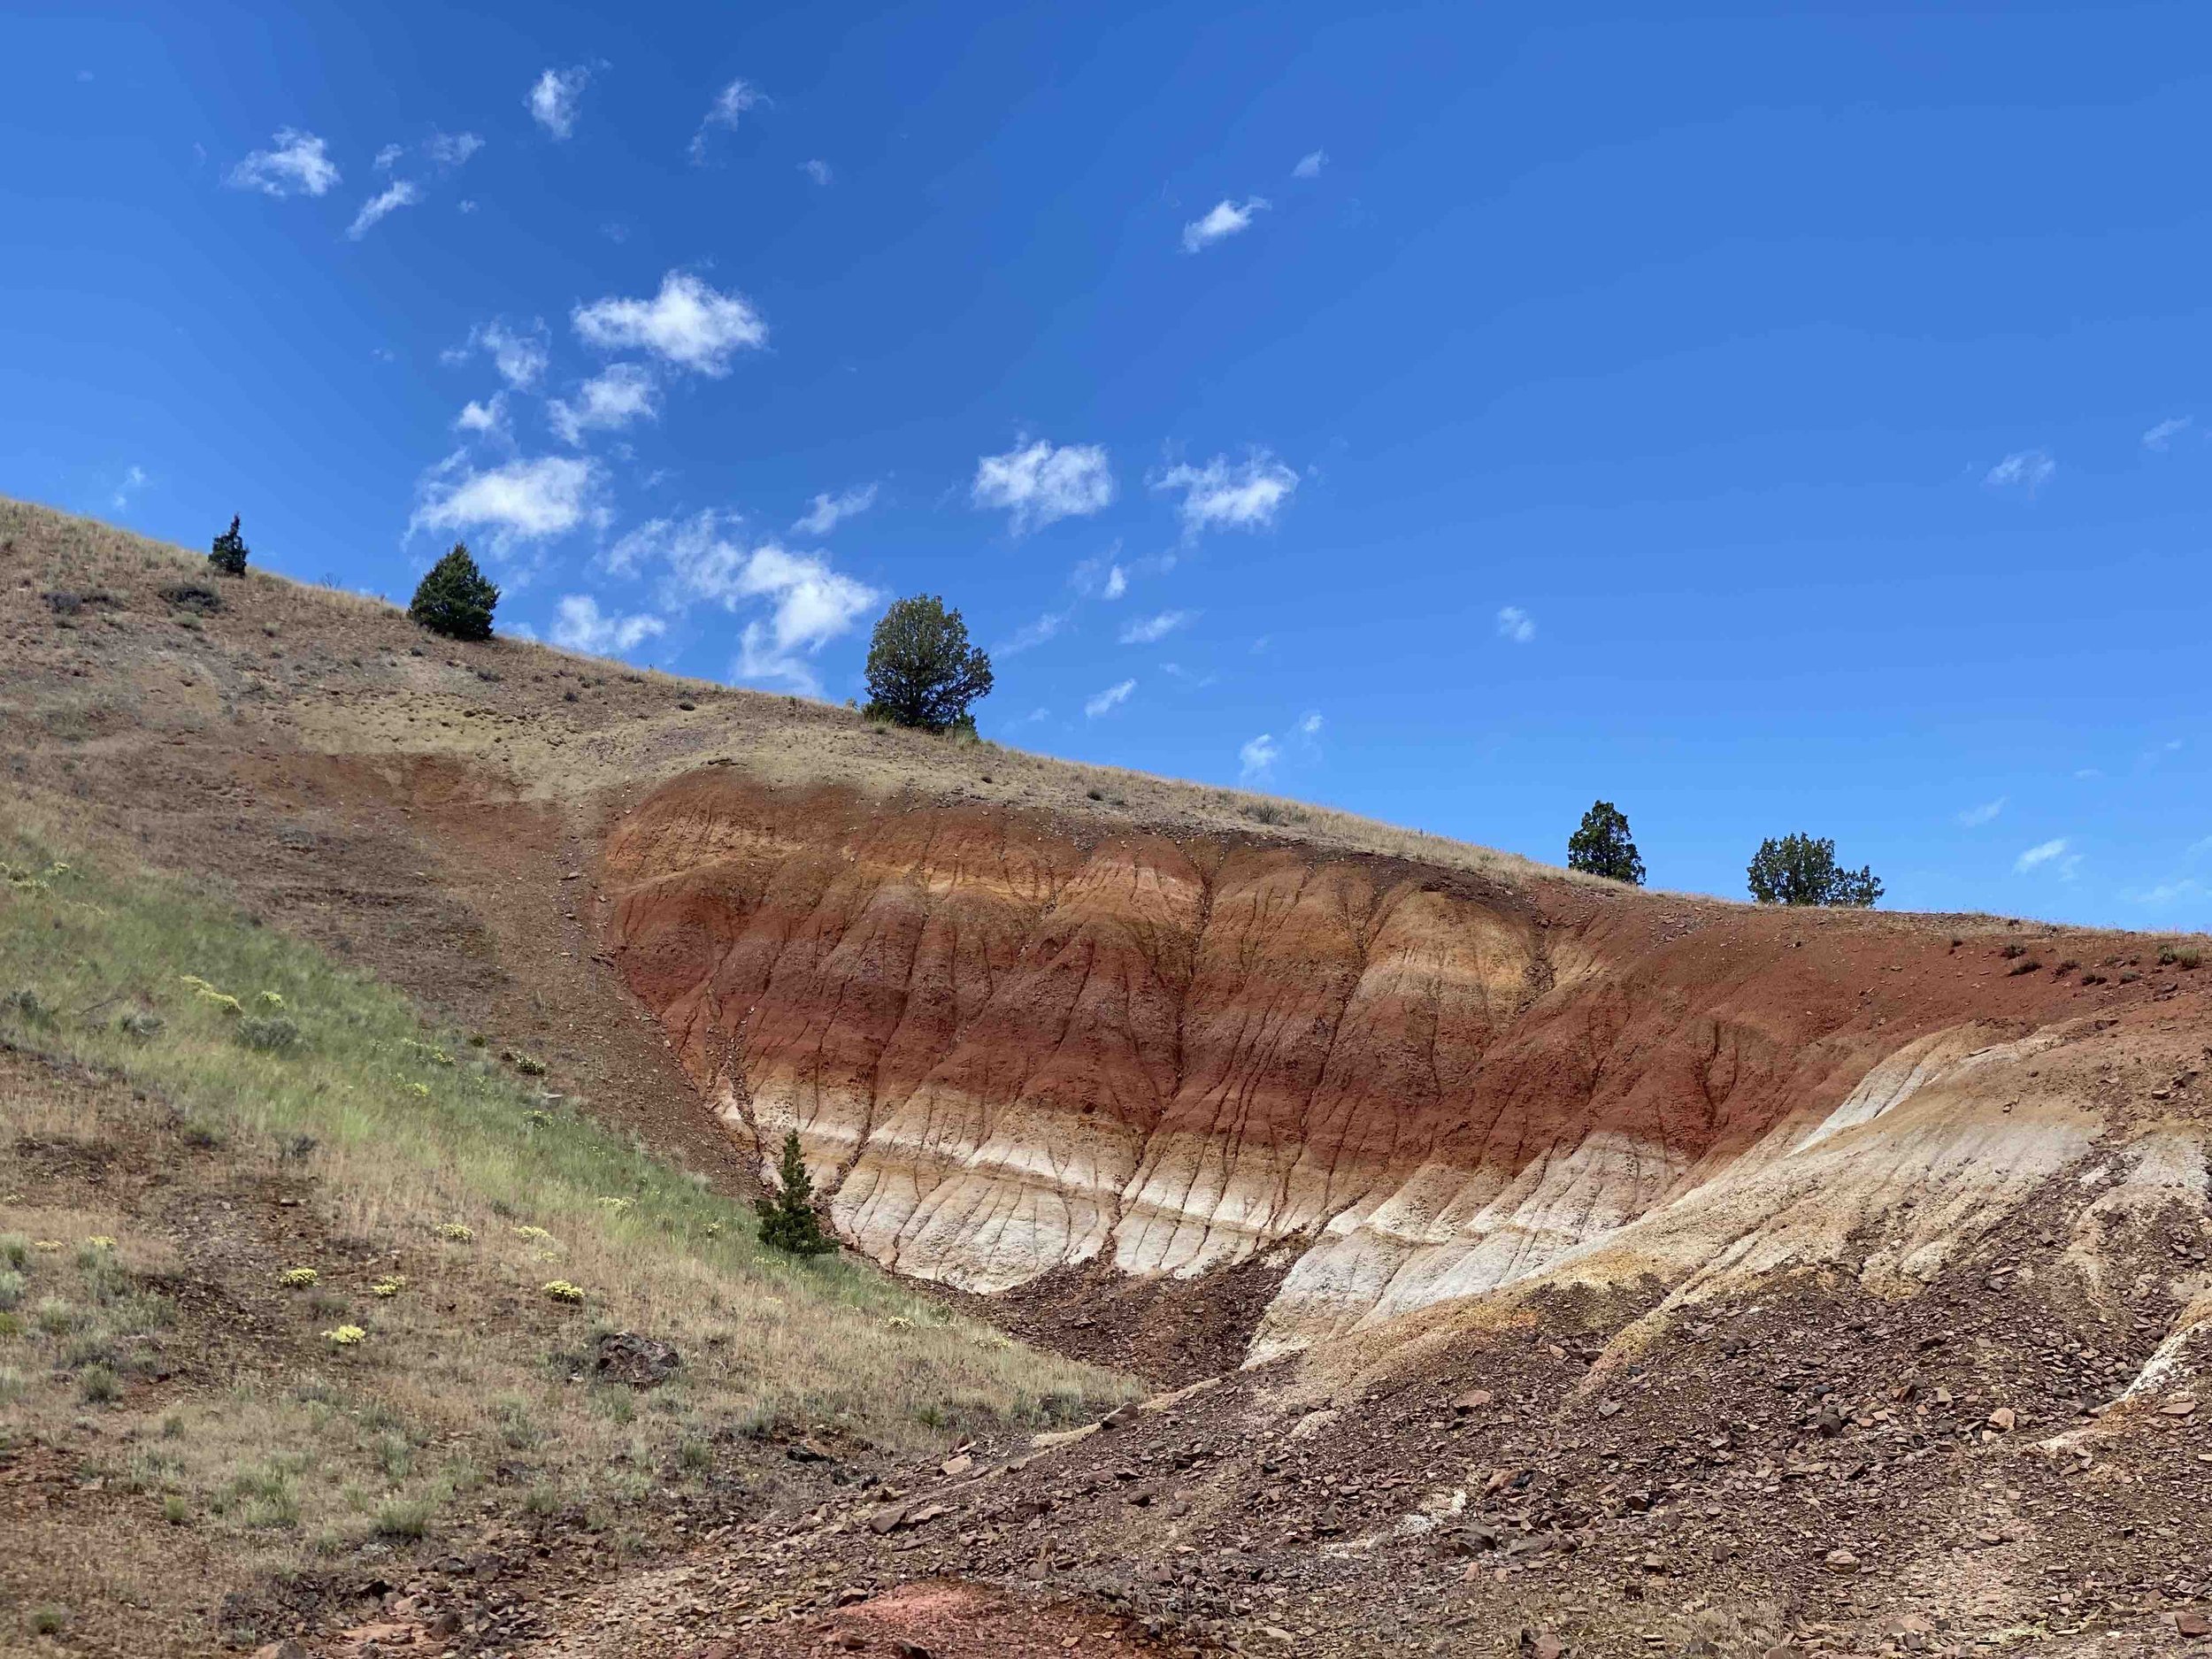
[1009, 1043]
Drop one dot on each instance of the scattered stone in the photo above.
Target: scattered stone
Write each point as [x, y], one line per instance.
[1120, 1417]
[1840, 1561]
[1473, 1400]
[2192, 1623]
[2177, 1408]
[957, 1465]
[1608, 1408]
[2004, 1419]
[642, 1362]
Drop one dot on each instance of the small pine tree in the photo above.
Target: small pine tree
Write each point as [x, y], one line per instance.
[922, 672]
[1801, 870]
[787, 1221]
[455, 599]
[1602, 846]
[228, 555]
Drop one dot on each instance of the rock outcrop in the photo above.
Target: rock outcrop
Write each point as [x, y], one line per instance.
[1009, 1043]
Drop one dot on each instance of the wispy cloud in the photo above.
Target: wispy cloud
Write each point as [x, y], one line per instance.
[1031, 634]
[520, 352]
[1309, 724]
[729, 104]
[806, 602]
[1975, 817]
[2054, 852]
[1309, 164]
[2169, 891]
[1516, 625]
[610, 399]
[398, 194]
[2024, 470]
[133, 480]
[817, 169]
[1257, 758]
[828, 511]
[2161, 437]
[1150, 630]
[521, 501]
[295, 163]
[1222, 494]
[1223, 221]
[687, 324]
[1109, 699]
[581, 626]
[487, 417]
[451, 150]
[555, 97]
[1037, 483]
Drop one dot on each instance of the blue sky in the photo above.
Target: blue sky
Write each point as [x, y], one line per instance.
[1762, 420]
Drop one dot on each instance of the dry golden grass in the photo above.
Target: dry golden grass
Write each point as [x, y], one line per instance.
[626, 728]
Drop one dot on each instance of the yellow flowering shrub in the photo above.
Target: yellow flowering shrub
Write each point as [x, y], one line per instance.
[296, 1278]
[561, 1290]
[459, 1232]
[390, 1286]
[346, 1336]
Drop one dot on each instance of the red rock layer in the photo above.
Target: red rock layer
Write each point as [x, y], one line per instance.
[1008, 1044]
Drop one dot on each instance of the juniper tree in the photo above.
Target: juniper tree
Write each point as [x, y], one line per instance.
[455, 599]
[1602, 847]
[228, 555]
[1801, 870]
[922, 672]
[787, 1221]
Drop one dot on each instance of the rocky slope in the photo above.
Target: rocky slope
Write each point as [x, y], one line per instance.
[1012, 1042]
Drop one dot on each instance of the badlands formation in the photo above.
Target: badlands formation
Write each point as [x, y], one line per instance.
[1519, 1264]
[1012, 1043]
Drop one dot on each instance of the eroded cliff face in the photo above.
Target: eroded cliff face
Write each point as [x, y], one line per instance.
[1009, 1044]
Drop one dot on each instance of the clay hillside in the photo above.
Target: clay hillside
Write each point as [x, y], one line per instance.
[1264, 1232]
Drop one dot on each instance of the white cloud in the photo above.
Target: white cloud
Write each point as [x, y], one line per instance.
[395, 195]
[487, 417]
[522, 500]
[298, 165]
[1224, 219]
[809, 604]
[2169, 891]
[518, 352]
[819, 170]
[1031, 634]
[2195, 849]
[451, 149]
[388, 157]
[2165, 432]
[553, 99]
[2043, 853]
[1038, 483]
[1109, 699]
[2027, 470]
[1975, 817]
[610, 401]
[1257, 758]
[1148, 630]
[731, 102]
[1309, 725]
[1219, 495]
[687, 323]
[828, 511]
[134, 479]
[581, 626]
[1516, 625]
[1309, 164]
[1117, 582]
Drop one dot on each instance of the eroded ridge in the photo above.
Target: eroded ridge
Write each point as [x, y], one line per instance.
[1009, 1043]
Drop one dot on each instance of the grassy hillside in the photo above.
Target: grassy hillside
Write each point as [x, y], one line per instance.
[279, 1266]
